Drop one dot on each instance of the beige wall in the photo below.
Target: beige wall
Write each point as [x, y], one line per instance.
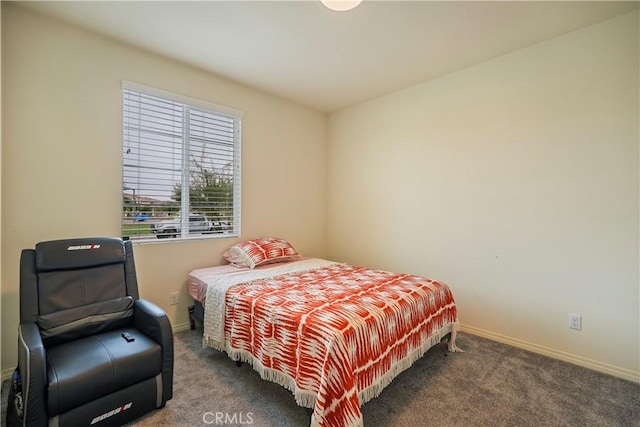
[516, 182]
[61, 163]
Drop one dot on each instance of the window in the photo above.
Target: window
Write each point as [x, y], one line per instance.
[181, 167]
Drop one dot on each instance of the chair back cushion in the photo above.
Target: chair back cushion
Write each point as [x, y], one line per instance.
[80, 286]
[86, 319]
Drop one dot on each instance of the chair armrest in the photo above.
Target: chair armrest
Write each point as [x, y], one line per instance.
[33, 373]
[151, 320]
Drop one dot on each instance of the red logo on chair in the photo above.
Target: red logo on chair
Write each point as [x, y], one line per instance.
[111, 413]
[82, 247]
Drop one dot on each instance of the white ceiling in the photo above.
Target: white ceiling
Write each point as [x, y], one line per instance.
[329, 60]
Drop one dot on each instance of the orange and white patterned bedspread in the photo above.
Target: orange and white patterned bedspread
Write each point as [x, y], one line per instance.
[335, 336]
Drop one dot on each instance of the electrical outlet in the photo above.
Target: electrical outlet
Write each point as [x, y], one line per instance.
[174, 298]
[575, 321]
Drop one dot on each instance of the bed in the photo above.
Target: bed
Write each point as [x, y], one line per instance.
[332, 333]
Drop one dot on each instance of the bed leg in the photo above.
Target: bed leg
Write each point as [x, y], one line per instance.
[192, 323]
[445, 348]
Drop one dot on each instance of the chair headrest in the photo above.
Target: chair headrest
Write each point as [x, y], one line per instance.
[69, 254]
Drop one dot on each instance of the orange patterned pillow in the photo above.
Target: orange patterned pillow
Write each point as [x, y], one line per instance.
[265, 250]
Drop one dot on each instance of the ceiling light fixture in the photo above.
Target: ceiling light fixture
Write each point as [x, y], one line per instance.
[341, 5]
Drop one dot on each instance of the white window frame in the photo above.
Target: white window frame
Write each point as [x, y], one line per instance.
[185, 209]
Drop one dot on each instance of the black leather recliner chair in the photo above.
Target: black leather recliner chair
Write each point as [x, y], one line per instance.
[91, 352]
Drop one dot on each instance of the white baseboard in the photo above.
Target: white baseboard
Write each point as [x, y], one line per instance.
[179, 327]
[6, 374]
[605, 368]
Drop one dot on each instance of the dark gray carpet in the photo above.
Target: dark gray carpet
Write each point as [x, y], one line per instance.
[491, 384]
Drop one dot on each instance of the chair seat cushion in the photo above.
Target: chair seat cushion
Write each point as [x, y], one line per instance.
[85, 369]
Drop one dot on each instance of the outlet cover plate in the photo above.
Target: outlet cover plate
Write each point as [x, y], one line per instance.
[575, 321]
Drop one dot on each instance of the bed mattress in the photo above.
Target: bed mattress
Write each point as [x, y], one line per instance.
[333, 334]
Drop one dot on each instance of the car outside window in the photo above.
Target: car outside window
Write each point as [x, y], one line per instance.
[181, 167]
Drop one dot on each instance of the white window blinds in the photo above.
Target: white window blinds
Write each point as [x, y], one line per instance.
[181, 167]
